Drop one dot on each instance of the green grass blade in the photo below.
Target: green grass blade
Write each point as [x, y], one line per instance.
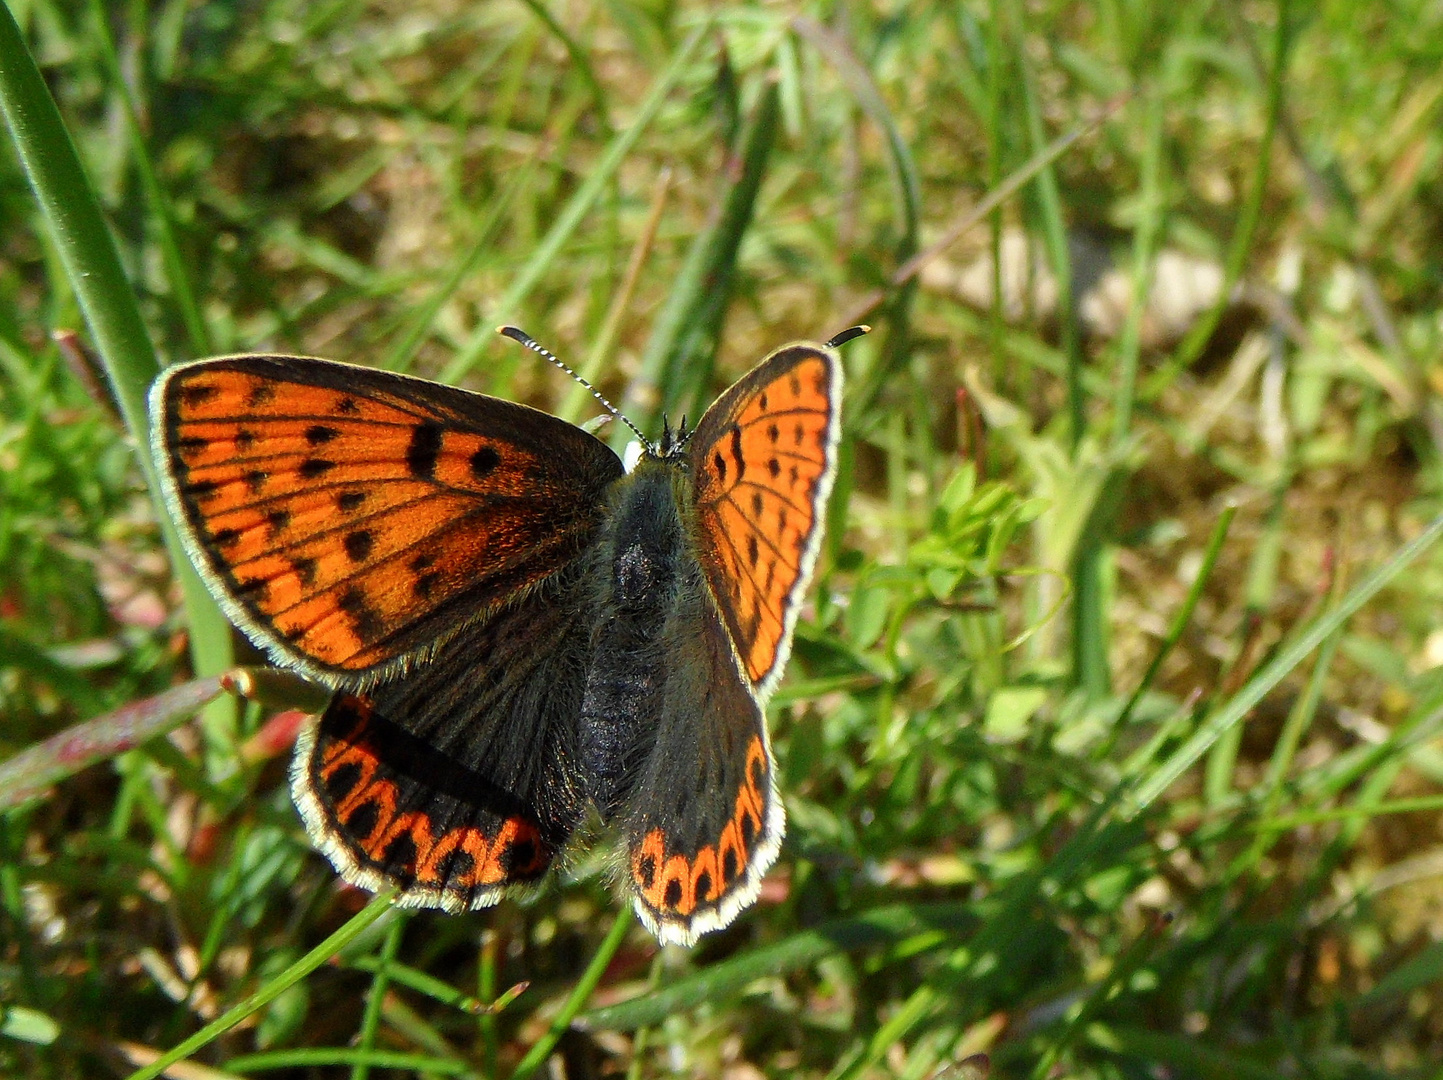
[876, 927]
[404, 351]
[1235, 710]
[273, 989]
[322, 1056]
[87, 251]
[677, 364]
[576, 209]
[580, 993]
[176, 272]
[578, 57]
[906, 190]
[376, 994]
[1144, 251]
[1184, 613]
[1242, 242]
[1054, 234]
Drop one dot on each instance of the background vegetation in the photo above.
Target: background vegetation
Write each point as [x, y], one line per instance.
[1096, 760]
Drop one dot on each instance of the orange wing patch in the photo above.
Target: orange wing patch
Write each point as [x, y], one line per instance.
[366, 821]
[763, 460]
[678, 885]
[335, 518]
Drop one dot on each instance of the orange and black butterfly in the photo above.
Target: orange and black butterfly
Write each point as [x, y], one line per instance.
[517, 628]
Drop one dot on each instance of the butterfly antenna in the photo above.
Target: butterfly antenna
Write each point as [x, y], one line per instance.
[516, 334]
[851, 333]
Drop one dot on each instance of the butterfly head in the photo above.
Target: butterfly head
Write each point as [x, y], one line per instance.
[672, 442]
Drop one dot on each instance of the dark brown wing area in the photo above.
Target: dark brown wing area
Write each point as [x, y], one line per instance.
[703, 822]
[454, 782]
[762, 460]
[350, 517]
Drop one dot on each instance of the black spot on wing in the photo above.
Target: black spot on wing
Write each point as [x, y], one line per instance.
[424, 449]
[365, 620]
[197, 393]
[358, 545]
[484, 461]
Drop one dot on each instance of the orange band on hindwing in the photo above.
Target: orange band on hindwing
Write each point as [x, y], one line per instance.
[679, 884]
[365, 818]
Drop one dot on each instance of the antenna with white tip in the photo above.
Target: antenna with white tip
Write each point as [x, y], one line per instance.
[521, 336]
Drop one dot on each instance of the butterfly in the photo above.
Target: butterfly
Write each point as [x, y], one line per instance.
[517, 629]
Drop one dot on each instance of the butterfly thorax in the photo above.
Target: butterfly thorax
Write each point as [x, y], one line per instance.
[645, 576]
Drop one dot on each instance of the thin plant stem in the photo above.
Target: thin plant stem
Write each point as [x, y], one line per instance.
[580, 993]
[253, 1003]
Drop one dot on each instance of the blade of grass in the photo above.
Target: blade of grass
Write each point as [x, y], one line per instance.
[677, 364]
[1269, 677]
[1187, 1054]
[253, 1003]
[1288, 822]
[579, 58]
[601, 349]
[876, 927]
[541, 1050]
[176, 272]
[967, 221]
[1202, 331]
[1184, 614]
[576, 209]
[321, 1056]
[1144, 250]
[87, 251]
[1054, 235]
[1300, 716]
[906, 190]
[33, 771]
[432, 987]
[1262, 580]
[906, 201]
[486, 988]
[376, 994]
[403, 353]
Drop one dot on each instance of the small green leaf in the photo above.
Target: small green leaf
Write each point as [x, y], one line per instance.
[1010, 711]
[27, 1025]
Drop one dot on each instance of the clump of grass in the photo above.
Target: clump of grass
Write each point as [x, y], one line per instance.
[1110, 740]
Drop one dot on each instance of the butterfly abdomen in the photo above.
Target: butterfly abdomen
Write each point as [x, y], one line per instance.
[640, 573]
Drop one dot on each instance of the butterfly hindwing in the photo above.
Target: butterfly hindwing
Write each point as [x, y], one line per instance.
[762, 461]
[456, 781]
[351, 518]
[703, 822]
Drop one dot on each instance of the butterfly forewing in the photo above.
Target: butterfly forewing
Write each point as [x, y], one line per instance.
[762, 461]
[352, 518]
